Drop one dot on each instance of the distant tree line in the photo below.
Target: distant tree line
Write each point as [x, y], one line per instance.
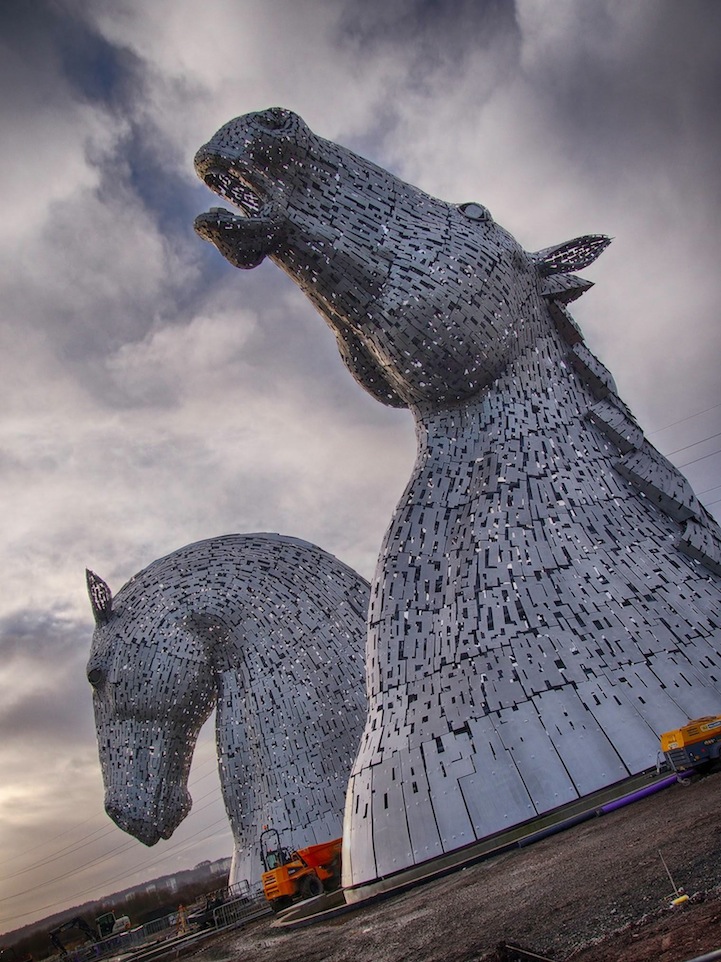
[141, 903]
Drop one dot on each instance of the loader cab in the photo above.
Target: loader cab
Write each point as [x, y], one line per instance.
[272, 853]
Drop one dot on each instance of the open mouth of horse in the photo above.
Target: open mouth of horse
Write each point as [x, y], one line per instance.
[253, 233]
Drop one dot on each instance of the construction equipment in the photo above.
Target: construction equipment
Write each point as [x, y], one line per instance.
[201, 916]
[107, 924]
[694, 744]
[292, 876]
[76, 923]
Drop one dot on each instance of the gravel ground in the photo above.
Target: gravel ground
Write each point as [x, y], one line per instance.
[596, 893]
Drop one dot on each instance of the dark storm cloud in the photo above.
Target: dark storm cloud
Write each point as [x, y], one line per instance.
[50, 702]
[154, 395]
[102, 163]
[630, 79]
[59, 50]
[52, 716]
[431, 44]
[42, 636]
[44, 31]
[431, 33]
[30, 31]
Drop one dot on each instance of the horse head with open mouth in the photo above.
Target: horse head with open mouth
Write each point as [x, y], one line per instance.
[547, 594]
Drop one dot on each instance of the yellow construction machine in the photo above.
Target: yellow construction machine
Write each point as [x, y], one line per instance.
[294, 875]
[695, 744]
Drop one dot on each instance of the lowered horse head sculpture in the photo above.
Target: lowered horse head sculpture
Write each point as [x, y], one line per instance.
[153, 688]
[269, 630]
[547, 594]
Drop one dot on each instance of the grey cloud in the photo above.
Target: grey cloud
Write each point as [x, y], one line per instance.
[42, 636]
[430, 37]
[51, 717]
[49, 702]
[153, 396]
[629, 76]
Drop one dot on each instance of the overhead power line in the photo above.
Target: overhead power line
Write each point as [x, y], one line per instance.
[694, 443]
[106, 829]
[171, 851]
[706, 490]
[687, 418]
[79, 868]
[696, 460]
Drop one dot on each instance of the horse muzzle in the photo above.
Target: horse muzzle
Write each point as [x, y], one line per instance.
[149, 819]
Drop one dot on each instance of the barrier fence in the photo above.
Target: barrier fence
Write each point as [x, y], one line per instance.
[240, 910]
[240, 905]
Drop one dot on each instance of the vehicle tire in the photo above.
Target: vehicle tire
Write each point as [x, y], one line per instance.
[277, 905]
[311, 886]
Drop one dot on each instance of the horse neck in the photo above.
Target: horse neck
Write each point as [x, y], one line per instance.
[512, 425]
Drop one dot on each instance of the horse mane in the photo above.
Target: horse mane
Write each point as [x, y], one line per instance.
[651, 474]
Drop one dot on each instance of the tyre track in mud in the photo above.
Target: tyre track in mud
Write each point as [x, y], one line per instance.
[597, 892]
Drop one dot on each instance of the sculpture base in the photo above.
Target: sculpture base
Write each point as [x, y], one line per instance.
[566, 816]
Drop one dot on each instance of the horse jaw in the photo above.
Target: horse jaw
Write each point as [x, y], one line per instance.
[145, 773]
[153, 824]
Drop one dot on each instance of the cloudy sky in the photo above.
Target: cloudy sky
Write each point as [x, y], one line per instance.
[152, 395]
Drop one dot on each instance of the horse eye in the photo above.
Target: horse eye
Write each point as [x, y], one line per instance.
[274, 119]
[96, 676]
[475, 211]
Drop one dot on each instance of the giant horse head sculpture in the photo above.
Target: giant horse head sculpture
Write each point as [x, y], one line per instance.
[396, 273]
[547, 594]
[153, 688]
[269, 630]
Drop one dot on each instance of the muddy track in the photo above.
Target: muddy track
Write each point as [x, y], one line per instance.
[598, 892]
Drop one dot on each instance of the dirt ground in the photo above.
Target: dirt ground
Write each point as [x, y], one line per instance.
[598, 892]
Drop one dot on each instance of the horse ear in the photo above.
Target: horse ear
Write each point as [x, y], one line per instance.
[572, 255]
[101, 598]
